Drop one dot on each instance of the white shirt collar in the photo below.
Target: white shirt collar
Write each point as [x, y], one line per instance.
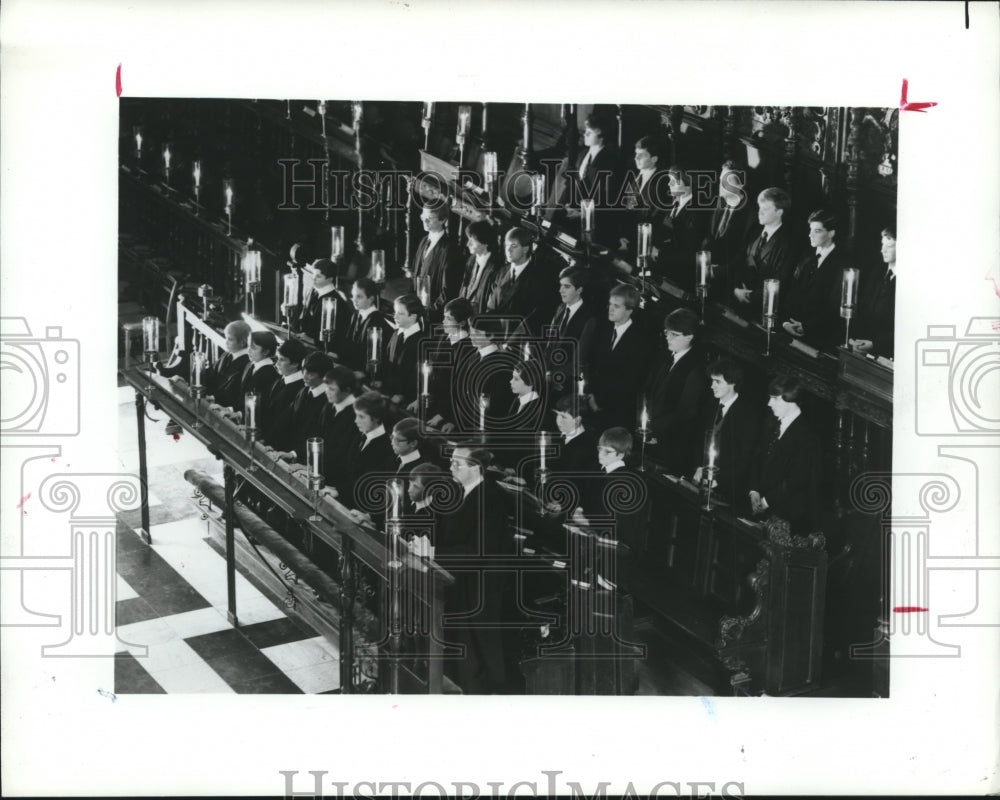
[326, 290]
[409, 458]
[375, 432]
[482, 259]
[770, 230]
[573, 434]
[367, 312]
[244, 352]
[434, 238]
[519, 269]
[264, 362]
[316, 391]
[792, 416]
[421, 504]
[455, 338]
[347, 401]
[295, 376]
[823, 252]
[677, 356]
[645, 175]
[727, 404]
[408, 332]
[619, 464]
[468, 487]
[620, 329]
[683, 200]
[488, 350]
[573, 308]
[524, 399]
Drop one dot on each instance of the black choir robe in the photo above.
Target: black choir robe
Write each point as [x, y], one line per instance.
[311, 317]
[224, 380]
[532, 296]
[735, 439]
[365, 459]
[682, 233]
[812, 297]
[477, 285]
[787, 474]
[357, 349]
[570, 344]
[726, 239]
[276, 419]
[448, 363]
[260, 381]
[774, 258]
[876, 315]
[675, 395]
[402, 360]
[443, 266]
[340, 436]
[616, 375]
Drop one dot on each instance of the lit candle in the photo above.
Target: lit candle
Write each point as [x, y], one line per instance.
[482, 412]
[645, 238]
[587, 207]
[250, 405]
[378, 266]
[358, 109]
[644, 418]
[197, 174]
[426, 370]
[527, 352]
[166, 158]
[464, 118]
[424, 290]
[395, 493]
[490, 167]
[229, 196]
[541, 448]
[376, 342]
[428, 112]
[703, 261]
[328, 315]
[581, 387]
[771, 288]
[527, 124]
[151, 334]
[336, 241]
[138, 144]
[849, 291]
[712, 453]
[314, 451]
[537, 192]
[291, 289]
[197, 366]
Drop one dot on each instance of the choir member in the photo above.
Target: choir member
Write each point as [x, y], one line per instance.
[423, 533]
[358, 349]
[523, 288]
[527, 383]
[406, 442]
[435, 259]
[674, 395]
[785, 478]
[306, 408]
[403, 352]
[874, 326]
[260, 374]
[482, 266]
[577, 443]
[811, 303]
[223, 381]
[448, 362]
[277, 414]
[475, 528]
[729, 226]
[373, 452]
[681, 231]
[770, 254]
[597, 176]
[731, 426]
[647, 197]
[324, 287]
[619, 362]
[571, 331]
[485, 378]
[337, 425]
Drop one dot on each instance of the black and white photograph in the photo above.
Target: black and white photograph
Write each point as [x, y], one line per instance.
[499, 400]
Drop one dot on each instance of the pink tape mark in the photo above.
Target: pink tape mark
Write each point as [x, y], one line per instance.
[908, 609]
[118, 81]
[906, 105]
[23, 500]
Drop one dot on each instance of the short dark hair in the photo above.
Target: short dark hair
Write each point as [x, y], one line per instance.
[265, 340]
[372, 404]
[478, 456]
[317, 362]
[368, 286]
[293, 350]
[728, 370]
[424, 468]
[522, 235]
[652, 145]
[411, 303]
[627, 293]
[531, 373]
[492, 326]
[824, 218]
[578, 276]
[482, 232]
[681, 172]
[343, 377]
[441, 210]
[890, 231]
[601, 123]
[325, 267]
[682, 320]
[620, 439]
[461, 309]
[782, 200]
[408, 428]
[573, 405]
[787, 387]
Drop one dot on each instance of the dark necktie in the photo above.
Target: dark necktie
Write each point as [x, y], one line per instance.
[718, 417]
[763, 237]
[727, 214]
[614, 338]
[563, 320]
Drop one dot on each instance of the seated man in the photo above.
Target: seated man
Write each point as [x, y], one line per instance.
[811, 302]
[674, 395]
[731, 426]
[223, 380]
[874, 327]
[260, 375]
[482, 266]
[619, 362]
[770, 254]
[785, 480]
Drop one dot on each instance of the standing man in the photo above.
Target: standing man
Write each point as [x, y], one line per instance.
[357, 352]
[877, 304]
[522, 288]
[435, 259]
[482, 267]
[325, 286]
[771, 254]
[224, 380]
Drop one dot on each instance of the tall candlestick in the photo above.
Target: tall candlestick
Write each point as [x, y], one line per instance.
[250, 407]
[482, 412]
[138, 145]
[644, 418]
[428, 111]
[314, 453]
[378, 266]
[229, 196]
[581, 387]
[527, 124]
[712, 454]
[771, 289]
[197, 368]
[849, 292]
[424, 289]
[542, 443]
[490, 168]
[645, 239]
[587, 207]
[151, 334]
[328, 317]
[291, 293]
[395, 499]
[375, 340]
[537, 193]
[426, 371]
[197, 175]
[357, 112]
[527, 352]
[464, 120]
[703, 265]
[336, 241]
[166, 158]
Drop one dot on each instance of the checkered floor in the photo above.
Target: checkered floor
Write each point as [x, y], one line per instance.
[171, 608]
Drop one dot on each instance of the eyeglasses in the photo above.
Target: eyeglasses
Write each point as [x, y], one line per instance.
[673, 334]
[606, 449]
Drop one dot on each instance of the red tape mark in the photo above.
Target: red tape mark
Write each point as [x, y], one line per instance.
[177, 437]
[906, 105]
[118, 81]
[23, 500]
[908, 609]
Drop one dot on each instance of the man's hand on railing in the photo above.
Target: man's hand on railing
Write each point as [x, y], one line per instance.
[421, 546]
